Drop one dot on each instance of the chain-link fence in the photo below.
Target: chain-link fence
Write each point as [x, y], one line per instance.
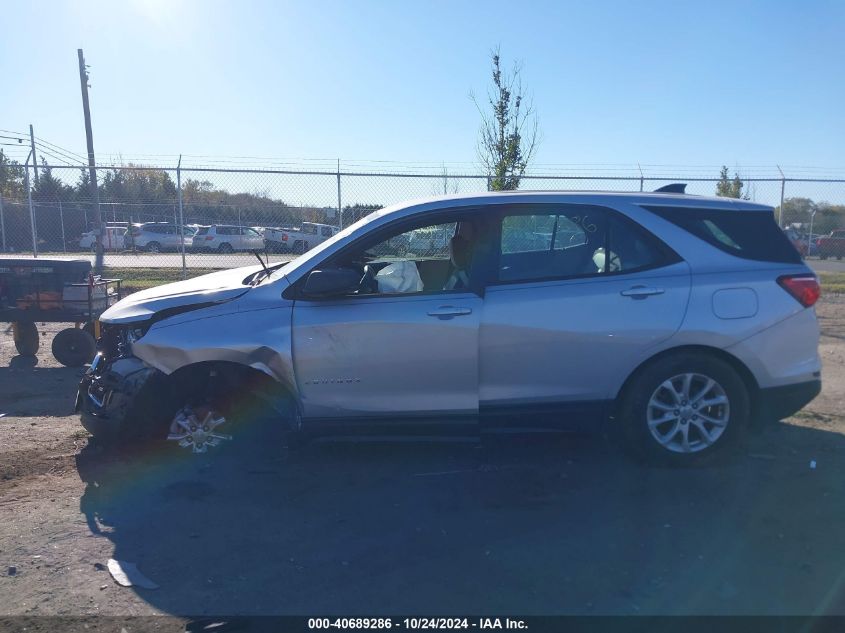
[151, 215]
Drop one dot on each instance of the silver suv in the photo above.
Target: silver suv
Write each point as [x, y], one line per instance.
[673, 321]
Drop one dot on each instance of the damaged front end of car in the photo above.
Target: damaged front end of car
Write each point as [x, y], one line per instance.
[114, 386]
[179, 363]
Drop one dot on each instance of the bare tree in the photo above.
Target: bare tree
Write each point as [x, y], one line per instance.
[447, 185]
[509, 128]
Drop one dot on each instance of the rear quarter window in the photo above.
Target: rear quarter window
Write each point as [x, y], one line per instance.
[746, 234]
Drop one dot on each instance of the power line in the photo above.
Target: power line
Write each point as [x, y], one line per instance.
[61, 149]
[71, 160]
[59, 158]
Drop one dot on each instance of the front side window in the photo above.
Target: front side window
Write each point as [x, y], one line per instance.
[432, 258]
[575, 241]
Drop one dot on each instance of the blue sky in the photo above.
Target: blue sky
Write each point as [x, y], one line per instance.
[681, 83]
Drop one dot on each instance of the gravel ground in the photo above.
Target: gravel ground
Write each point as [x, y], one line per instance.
[528, 526]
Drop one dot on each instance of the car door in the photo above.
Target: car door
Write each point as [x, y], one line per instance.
[410, 353]
[564, 323]
[169, 237]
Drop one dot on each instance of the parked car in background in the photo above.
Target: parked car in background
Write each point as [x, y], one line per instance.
[832, 245]
[155, 237]
[428, 241]
[660, 318]
[298, 240]
[798, 240]
[226, 238]
[113, 238]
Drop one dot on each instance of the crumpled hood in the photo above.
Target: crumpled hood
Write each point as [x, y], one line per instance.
[207, 289]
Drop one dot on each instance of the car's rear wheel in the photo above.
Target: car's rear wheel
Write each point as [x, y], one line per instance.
[153, 247]
[683, 408]
[226, 248]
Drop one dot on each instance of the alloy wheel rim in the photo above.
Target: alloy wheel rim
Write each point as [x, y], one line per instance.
[195, 429]
[688, 413]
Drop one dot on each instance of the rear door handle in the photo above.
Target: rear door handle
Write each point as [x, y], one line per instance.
[449, 311]
[641, 292]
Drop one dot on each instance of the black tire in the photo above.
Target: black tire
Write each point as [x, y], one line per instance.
[89, 327]
[822, 256]
[26, 338]
[633, 408]
[73, 347]
[298, 247]
[226, 248]
[153, 247]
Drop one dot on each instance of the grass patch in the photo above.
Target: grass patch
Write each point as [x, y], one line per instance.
[832, 283]
[135, 279]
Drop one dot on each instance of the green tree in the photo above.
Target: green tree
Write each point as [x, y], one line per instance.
[354, 212]
[11, 177]
[728, 187]
[49, 188]
[509, 133]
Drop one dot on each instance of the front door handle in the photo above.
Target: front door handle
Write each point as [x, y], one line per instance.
[449, 311]
[641, 292]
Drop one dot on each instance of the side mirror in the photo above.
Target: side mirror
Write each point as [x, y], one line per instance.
[331, 282]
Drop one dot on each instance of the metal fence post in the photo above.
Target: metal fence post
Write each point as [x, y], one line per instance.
[62, 222]
[181, 217]
[2, 222]
[339, 207]
[782, 190]
[31, 212]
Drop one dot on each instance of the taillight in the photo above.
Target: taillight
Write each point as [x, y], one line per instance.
[284, 237]
[209, 237]
[805, 288]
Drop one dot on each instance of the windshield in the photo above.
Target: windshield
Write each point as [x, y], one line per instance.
[315, 252]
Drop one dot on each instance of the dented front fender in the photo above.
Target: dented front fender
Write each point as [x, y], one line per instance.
[258, 338]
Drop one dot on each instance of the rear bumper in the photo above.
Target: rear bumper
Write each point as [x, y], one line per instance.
[777, 403]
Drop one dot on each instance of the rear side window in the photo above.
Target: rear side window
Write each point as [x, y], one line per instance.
[571, 241]
[747, 234]
[202, 230]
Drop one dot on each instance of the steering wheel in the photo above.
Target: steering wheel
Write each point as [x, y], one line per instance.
[368, 283]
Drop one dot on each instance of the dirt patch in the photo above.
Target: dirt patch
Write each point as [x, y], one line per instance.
[525, 526]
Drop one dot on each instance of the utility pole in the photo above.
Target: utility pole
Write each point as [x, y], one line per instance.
[92, 166]
[34, 158]
[2, 222]
[181, 216]
[62, 221]
[31, 211]
[339, 207]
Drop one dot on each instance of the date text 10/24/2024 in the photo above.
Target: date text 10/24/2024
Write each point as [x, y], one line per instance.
[417, 623]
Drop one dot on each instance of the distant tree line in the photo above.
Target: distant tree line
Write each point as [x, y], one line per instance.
[138, 195]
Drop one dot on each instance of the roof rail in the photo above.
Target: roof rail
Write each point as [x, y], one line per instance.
[675, 187]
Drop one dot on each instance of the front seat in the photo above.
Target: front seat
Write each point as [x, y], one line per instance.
[460, 255]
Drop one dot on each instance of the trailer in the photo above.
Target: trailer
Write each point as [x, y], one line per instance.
[43, 291]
